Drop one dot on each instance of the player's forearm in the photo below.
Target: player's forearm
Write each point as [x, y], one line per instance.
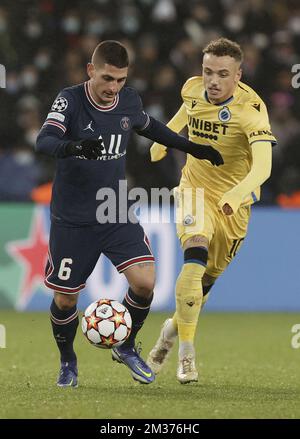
[260, 170]
[176, 124]
[259, 173]
[160, 133]
[51, 145]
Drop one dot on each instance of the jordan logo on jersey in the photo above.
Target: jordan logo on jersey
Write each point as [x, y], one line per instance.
[194, 103]
[89, 127]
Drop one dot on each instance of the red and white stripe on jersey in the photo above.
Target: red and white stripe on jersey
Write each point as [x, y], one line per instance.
[56, 287]
[134, 261]
[55, 124]
[94, 103]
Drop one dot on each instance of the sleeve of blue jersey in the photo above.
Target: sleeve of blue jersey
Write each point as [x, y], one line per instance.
[141, 119]
[50, 139]
[160, 133]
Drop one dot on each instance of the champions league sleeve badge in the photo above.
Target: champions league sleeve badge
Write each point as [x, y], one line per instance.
[60, 104]
[224, 114]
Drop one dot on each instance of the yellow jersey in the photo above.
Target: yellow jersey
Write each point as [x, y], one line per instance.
[230, 127]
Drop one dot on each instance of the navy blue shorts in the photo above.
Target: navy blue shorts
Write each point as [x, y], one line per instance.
[75, 250]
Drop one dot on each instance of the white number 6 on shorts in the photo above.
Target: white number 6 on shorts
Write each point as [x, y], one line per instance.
[65, 271]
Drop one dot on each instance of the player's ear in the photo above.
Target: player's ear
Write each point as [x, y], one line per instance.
[90, 68]
[239, 75]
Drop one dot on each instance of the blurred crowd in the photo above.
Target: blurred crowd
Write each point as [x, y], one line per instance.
[45, 45]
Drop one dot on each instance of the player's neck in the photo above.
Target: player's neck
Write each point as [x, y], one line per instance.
[96, 98]
[219, 101]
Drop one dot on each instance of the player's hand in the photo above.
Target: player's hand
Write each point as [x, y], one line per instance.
[227, 209]
[91, 149]
[206, 152]
[229, 203]
[157, 152]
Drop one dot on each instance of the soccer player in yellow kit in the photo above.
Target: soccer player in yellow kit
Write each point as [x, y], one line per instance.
[231, 117]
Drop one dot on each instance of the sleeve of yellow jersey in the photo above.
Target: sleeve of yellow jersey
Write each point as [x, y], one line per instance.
[259, 173]
[177, 123]
[255, 123]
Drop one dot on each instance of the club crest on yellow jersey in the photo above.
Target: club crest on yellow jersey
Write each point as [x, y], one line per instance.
[224, 114]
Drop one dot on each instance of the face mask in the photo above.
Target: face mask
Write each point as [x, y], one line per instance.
[42, 61]
[12, 84]
[29, 79]
[71, 25]
[23, 158]
[97, 27]
[129, 22]
[234, 22]
[33, 29]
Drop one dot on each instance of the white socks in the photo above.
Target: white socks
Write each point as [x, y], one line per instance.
[186, 348]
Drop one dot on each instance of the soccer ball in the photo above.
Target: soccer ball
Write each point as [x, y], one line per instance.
[106, 323]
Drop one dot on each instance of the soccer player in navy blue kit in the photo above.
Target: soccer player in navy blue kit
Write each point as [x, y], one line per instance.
[87, 130]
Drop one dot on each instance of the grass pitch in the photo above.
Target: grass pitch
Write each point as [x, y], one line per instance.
[247, 367]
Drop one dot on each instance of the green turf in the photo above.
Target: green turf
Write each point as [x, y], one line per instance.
[247, 367]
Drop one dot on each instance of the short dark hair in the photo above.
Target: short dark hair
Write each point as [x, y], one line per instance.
[110, 52]
[223, 47]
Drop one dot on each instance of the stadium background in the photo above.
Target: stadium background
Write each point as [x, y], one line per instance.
[45, 46]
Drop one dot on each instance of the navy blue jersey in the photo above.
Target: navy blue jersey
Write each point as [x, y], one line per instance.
[75, 115]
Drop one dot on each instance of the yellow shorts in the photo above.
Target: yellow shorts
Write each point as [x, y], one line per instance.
[198, 214]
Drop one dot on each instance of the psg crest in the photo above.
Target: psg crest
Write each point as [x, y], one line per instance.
[125, 123]
[224, 114]
[60, 104]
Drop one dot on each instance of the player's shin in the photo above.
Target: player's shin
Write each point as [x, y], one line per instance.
[188, 301]
[189, 295]
[64, 325]
[139, 308]
[171, 330]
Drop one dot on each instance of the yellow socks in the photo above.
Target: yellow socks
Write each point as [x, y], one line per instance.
[188, 300]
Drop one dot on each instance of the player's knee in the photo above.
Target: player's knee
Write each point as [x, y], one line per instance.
[141, 279]
[64, 301]
[144, 287]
